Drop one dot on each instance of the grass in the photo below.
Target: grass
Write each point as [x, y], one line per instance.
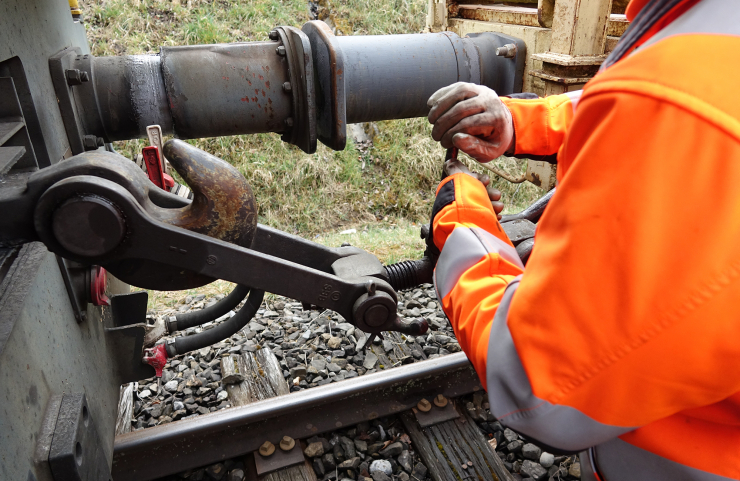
[383, 191]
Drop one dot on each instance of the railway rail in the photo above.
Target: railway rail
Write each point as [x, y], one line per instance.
[171, 448]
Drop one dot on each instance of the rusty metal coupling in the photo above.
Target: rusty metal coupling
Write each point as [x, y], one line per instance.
[267, 449]
[287, 443]
[223, 205]
[424, 406]
[440, 401]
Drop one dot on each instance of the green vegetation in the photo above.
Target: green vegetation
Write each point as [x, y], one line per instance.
[381, 191]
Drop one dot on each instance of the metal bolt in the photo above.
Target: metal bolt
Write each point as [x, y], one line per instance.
[287, 87]
[76, 76]
[281, 51]
[371, 287]
[440, 401]
[273, 35]
[424, 406]
[267, 449]
[508, 51]
[90, 142]
[289, 122]
[287, 443]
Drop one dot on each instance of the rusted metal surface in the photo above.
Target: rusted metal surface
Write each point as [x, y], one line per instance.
[500, 14]
[529, 17]
[617, 25]
[223, 204]
[171, 448]
[545, 12]
[542, 174]
[610, 45]
[435, 414]
[226, 89]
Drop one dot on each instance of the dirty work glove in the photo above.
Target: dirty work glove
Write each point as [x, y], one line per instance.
[473, 119]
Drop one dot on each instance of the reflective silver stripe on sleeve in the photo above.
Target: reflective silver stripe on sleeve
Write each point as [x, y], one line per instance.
[618, 460]
[464, 248]
[514, 404]
[708, 16]
[574, 97]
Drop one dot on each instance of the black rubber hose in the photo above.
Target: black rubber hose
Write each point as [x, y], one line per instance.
[225, 329]
[211, 313]
[409, 274]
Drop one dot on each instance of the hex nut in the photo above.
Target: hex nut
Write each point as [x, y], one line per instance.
[289, 122]
[287, 443]
[90, 142]
[507, 51]
[440, 401]
[267, 449]
[273, 35]
[76, 76]
[287, 87]
[281, 50]
[424, 406]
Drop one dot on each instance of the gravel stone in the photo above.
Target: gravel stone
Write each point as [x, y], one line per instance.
[533, 470]
[381, 466]
[171, 386]
[380, 476]
[405, 460]
[575, 470]
[514, 446]
[235, 475]
[547, 459]
[530, 451]
[510, 435]
[369, 362]
[420, 471]
[392, 450]
[348, 447]
[314, 449]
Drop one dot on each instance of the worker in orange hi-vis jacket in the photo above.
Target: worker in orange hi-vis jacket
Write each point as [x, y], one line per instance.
[621, 338]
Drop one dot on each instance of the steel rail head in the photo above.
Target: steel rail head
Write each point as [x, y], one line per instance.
[173, 447]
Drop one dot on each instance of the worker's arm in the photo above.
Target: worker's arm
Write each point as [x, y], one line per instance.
[624, 314]
[475, 120]
[540, 125]
[476, 263]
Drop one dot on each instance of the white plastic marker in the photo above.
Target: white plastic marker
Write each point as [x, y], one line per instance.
[154, 132]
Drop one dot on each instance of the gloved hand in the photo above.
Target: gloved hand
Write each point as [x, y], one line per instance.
[453, 167]
[473, 119]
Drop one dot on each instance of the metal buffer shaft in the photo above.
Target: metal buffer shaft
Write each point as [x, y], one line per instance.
[305, 83]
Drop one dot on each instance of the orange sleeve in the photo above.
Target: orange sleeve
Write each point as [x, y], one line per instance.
[540, 125]
[476, 263]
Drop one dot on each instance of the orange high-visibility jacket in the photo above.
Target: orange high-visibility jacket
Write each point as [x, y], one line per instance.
[623, 331]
